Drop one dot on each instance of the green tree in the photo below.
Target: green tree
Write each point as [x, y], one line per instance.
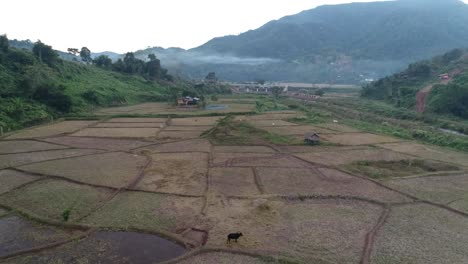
[211, 77]
[103, 61]
[276, 91]
[54, 96]
[132, 64]
[85, 55]
[319, 92]
[4, 45]
[73, 51]
[45, 53]
[153, 67]
[450, 99]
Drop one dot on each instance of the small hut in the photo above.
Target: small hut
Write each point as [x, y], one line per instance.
[312, 139]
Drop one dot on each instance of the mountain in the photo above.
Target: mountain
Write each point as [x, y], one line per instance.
[347, 42]
[437, 85]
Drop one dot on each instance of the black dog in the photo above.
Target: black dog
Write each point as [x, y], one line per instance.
[233, 236]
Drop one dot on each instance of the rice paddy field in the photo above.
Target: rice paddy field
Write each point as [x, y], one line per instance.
[169, 189]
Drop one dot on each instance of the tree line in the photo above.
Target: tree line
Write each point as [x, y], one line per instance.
[150, 68]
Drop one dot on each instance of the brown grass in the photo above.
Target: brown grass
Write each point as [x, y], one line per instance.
[15, 160]
[352, 139]
[195, 121]
[297, 130]
[242, 149]
[181, 173]
[19, 146]
[11, 179]
[439, 189]
[19, 234]
[257, 160]
[272, 123]
[98, 143]
[429, 152]
[187, 128]
[289, 181]
[147, 211]
[194, 145]
[342, 157]
[222, 258]
[313, 231]
[50, 198]
[398, 168]
[422, 234]
[233, 181]
[137, 120]
[117, 132]
[338, 127]
[112, 169]
[179, 134]
[130, 125]
[51, 130]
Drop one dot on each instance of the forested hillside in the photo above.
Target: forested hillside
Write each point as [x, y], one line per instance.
[345, 43]
[444, 79]
[38, 85]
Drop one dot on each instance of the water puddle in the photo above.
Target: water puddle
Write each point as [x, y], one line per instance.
[141, 248]
[107, 247]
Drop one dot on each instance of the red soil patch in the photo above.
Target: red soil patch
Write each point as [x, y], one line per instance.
[421, 96]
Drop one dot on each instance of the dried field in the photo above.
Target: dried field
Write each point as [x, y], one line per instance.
[48, 199]
[422, 234]
[15, 160]
[298, 228]
[21, 146]
[449, 190]
[149, 189]
[341, 157]
[179, 173]
[429, 152]
[10, 180]
[222, 258]
[291, 181]
[353, 139]
[116, 169]
[179, 134]
[297, 130]
[223, 179]
[147, 211]
[64, 127]
[20, 234]
[118, 132]
[194, 121]
[194, 145]
[98, 143]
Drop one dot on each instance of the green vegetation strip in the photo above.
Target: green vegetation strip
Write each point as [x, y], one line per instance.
[228, 131]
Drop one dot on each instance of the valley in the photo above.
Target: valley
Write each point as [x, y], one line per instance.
[183, 179]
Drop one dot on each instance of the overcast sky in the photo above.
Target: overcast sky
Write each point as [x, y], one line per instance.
[129, 25]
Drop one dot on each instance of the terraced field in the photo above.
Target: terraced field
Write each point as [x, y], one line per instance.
[151, 190]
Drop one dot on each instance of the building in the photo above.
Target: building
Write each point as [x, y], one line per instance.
[312, 139]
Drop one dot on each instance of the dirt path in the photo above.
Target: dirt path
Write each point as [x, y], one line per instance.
[421, 96]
